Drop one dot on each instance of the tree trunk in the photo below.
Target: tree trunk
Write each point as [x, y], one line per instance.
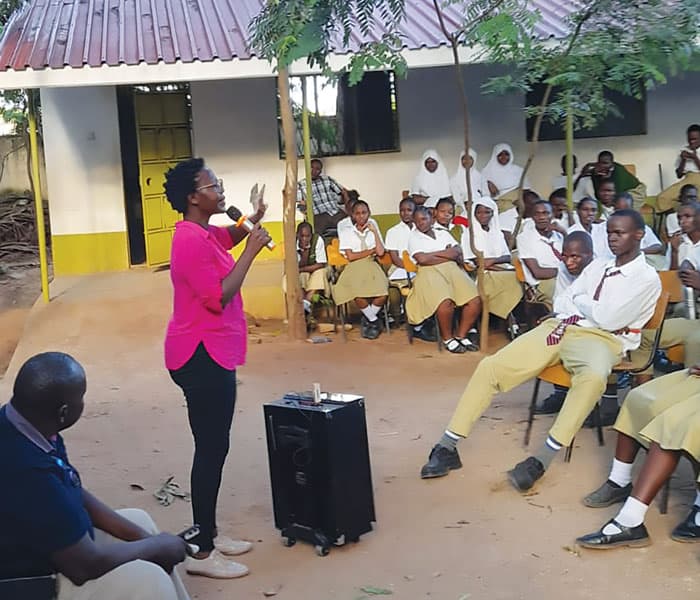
[295, 311]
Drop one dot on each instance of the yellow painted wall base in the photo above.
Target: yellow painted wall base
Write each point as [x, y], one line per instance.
[78, 254]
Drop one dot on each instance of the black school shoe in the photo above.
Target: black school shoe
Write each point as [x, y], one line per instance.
[370, 329]
[425, 334]
[440, 462]
[552, 404]
[607, 495]
[687, 530]
[607, 417]
[524, 475]
[633, 537]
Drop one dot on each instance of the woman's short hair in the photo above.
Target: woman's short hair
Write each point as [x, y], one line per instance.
[181, 181]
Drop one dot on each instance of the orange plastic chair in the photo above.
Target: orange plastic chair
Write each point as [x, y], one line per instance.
[558, 375]
[672, 284]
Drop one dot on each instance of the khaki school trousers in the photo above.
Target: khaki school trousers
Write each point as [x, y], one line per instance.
[588, 354]
[675, 331]
[135, 580]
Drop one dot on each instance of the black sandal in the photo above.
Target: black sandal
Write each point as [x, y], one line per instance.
[455, 346]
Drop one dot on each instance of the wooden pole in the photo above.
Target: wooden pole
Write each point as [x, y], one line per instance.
[569, 161]
[38, 200]
[306, 134]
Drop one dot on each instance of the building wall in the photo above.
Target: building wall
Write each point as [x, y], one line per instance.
[84, 176]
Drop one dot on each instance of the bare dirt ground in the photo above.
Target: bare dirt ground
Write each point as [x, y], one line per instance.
[466, 536]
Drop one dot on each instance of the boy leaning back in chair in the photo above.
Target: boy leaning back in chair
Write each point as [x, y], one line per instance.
[597, 321]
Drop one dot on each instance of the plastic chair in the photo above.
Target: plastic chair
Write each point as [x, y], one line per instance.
[412, 268]
[558, 375]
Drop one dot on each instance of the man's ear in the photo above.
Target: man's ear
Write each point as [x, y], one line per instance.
[639, 234]
[62, 413]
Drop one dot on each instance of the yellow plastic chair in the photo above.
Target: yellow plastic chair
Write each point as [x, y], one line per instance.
[672, 284]
[558, 375]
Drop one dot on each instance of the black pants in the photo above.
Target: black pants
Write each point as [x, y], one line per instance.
[210, 392]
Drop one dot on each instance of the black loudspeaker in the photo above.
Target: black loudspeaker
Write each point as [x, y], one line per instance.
[319, 469]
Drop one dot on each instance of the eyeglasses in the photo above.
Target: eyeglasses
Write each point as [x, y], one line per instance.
[218, 186]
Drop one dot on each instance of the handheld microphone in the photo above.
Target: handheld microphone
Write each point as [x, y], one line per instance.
[242, 221]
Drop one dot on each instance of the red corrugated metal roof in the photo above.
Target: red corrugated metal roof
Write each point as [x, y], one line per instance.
[75, 33]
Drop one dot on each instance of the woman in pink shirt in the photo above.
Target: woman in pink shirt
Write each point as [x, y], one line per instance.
[206, 341]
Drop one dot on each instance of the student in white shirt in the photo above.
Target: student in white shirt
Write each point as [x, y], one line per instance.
[441, 284]
[606, 195]
[508, 218]
[687, 167]
[500, 283]
[597, 321]
[688, 194]
[651, 245]
[501, 175]
[586, 211]
[397, 240]
[562, 219]
[362, 280]
[350, 198]
[312, 261]
[458, 183]
[685, 246]
[539, 250]
[432, 180]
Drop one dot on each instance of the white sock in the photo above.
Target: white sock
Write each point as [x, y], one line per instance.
[307, 305]
[697, 498]
[631, 514]
[621, 472]
[369, 313]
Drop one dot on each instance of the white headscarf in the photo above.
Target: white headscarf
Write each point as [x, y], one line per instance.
[458, 183]
[491, 242]
[504, 177]
[433, 185]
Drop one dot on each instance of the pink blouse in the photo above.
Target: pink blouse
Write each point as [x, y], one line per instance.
[199, 261]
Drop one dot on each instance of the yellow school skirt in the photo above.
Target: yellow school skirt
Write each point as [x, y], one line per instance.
[362, 278]
[503, 291]
[434, 284]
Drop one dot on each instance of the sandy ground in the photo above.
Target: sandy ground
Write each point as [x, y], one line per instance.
[468, 535]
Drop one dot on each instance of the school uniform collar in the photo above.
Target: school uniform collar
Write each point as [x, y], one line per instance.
[439, 227]
[687, 240]
[27, 429]
[631, 268]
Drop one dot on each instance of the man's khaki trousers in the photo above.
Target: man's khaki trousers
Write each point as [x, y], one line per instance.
[135, 580]
[588, 354]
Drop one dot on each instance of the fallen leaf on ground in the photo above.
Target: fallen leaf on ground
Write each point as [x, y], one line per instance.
[376, 591]
[571, 550]
[136, 486]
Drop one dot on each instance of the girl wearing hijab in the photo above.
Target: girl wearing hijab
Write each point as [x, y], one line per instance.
[458, 183]
[432, 180]
[501, 176]
[500, 283]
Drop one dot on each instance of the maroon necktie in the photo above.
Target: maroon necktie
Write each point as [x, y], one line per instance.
[606, 274]
[554, 250]
[555, 337]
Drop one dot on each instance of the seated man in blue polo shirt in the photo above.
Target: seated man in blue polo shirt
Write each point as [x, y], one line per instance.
[50, 523]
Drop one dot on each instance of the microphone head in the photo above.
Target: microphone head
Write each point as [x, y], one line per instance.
[233, 213]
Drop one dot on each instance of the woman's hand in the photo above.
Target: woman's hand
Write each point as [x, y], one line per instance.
[694, 370]
[257, 199]
[257, 240]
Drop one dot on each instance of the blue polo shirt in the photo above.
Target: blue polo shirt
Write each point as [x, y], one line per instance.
[41, 503]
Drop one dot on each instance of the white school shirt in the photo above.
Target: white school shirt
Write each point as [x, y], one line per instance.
[689, 251]
[352, 239]
[320, 251]
[397, 240]
[508, 218]
[690, 166]
[564, 280]
[533, 245]
[564, 222]
[626, 300]
[672, 224]
[599, 235]
[493, 246]
[421, 242]
[649, 239]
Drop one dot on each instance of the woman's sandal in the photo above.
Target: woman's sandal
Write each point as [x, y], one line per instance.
[468, 345]
[455, 346]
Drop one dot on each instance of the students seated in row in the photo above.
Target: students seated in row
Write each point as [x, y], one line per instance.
[607, 168]
[539, 250]
[501, 175]
[664, 417]
[432, 181]
[687, 168]
[312, 261]
[363, 280]
[651, 245]
[458, 183]
[562, 218]
[587, 210]
[500, 283]
[583, 186]
[688, 194]
[609, 302]
[441, 284]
